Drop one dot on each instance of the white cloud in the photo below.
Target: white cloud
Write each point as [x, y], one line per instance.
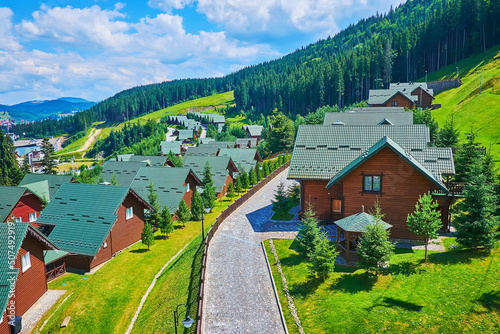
[7, 40]
[168, 5]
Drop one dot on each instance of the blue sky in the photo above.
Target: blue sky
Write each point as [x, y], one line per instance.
[95, 48]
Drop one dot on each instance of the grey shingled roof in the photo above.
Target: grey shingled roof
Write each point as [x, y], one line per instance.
[358, 222]
[82, 215]
[152, 160]
[220, 144]
[381, 96]
[411, 87]
[174, 146]
[246, 158]
[434, 175]
[54, 181]
[203, 150]
[220, 166]
[185, 134]
[246, 142]
[9, 196]
[254, 130]
[369, 118]
[167, 182]
[322, 151]
[124, 171]
[379, 109]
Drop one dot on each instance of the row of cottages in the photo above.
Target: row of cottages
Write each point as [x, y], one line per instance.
[244, 159]
[215, 119]
[408, 95]
[343, 168]
[151, 160]
[239, 143]
[371, 117]
[174, 146]
[22, 272]
[253, 131]
[92, 222]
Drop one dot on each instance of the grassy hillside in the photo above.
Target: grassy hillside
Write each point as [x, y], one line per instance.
[469, 109]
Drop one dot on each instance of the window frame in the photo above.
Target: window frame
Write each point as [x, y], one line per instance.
[25, 262]
[371, 176]
[129, 215]
[30, 217]
[394, 103]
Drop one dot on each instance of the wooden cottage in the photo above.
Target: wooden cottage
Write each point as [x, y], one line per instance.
[22, 270]
[93, 222]
[19, 204]
[341, 168]
[45, 186]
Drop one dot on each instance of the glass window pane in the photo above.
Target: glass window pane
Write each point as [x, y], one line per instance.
[376, 183]
[368, 183]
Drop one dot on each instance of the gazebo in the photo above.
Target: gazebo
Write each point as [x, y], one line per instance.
[349, 230]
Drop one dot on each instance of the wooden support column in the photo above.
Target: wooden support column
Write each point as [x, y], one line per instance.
[348, 245]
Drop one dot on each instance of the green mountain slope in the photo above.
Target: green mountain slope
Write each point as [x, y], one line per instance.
[469, 108]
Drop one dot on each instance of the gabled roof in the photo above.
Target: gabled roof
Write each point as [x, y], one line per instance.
[412, 86]
[246, 158]
[359, 221]
[378, 109]
[435, 176]
[124, 171]
[203, 150]
[220, 144]
[253, 130]
[220, 167]
[83, 215]
[53, 181]
[322, 151]
[206, 140]
[174, 146]
[9, 196]
[185, 134]
[152, 160]
[246, 142]
[167, 182]
[381, 96]
[369, 118]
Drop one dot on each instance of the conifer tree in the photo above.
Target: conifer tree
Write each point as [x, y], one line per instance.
[209, 195]
[237, 185]
[252, 177]
[425, 221]
[183, 214]
[244, 180]
[166, 223]
[280, 201]
[448, 136]
[466, 157]
[323, 256]
[258, 172]
[374, 246]
[48, 160]
[266, 169]
[476, 221]
[230, 191]
[147, 236]
[196, 206]
[10, 173]
[308, 232]
[114, 181]
[154, 215]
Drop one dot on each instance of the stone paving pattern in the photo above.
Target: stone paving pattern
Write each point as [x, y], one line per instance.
[239, 296]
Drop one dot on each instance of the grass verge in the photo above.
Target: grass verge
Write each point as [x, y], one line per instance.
[456, 292]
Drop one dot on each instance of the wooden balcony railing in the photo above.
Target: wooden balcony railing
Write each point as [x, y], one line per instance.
[56, 272]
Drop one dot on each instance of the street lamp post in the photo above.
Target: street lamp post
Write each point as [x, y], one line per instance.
[207, 210]
[187, 321]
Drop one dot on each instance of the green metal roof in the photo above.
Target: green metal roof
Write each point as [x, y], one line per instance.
[322, 151]
[152, 160]
[220, 166]
[246, 158]
[373, 117]
[203, 150]
[253, 130]
[41, 189]
[174, 146]
[388, 142]
[54, 181]
[168, 184]
[206, 140]
[246, 142]
[220, 144]
[358, 222]
[9, 196]
[185, 134]
[82, 215]
[124, 171]
[381, 96]
[54, 255]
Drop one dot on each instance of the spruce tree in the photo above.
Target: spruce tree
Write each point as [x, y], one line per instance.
[154, 215]
[476, 221]
[308, 232]
[252, 177]
[448, 136]
[466, 157]
[323, 256]
[425, 221]
[196, 206]
[183, 214]
[237, 185]
[258, 172]
[147, 236]
[280, 201]
[374, 246]
[209, 195]
[10, 173]
[166, 223]
[48, 160]
[230, 191]
[244, 180]
[266, 169]
[114, 181]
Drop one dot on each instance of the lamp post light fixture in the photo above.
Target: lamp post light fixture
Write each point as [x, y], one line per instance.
[187, 321]
[207, 210]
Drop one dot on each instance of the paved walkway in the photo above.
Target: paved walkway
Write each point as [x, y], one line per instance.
[42, 305]
[239, 293]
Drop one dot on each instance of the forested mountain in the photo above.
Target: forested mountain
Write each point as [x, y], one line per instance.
[39, 110]
[402, 45]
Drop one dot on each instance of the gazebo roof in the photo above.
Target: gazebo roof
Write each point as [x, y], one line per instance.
[358, 222]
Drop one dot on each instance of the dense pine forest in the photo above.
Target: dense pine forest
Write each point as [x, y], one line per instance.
[418, 37]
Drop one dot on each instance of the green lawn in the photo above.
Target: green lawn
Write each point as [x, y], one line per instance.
[106, 301]
[456, 292]
[466, 105]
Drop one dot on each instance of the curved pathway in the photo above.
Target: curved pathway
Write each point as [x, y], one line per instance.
[239, 296]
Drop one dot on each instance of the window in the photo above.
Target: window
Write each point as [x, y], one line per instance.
[129, 213]
[336, 205]
[105, 245]
[19, 220]
[394, 103]
[33, 217]
[372, 183]
[26, 262]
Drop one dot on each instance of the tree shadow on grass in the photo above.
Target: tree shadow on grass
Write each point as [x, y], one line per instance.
[490, 301]
[160, 237]
[354, 283]
[293, 260]
[140, 250]
[308, 287]
[405, 268]
[392, 302]
[457, 256]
